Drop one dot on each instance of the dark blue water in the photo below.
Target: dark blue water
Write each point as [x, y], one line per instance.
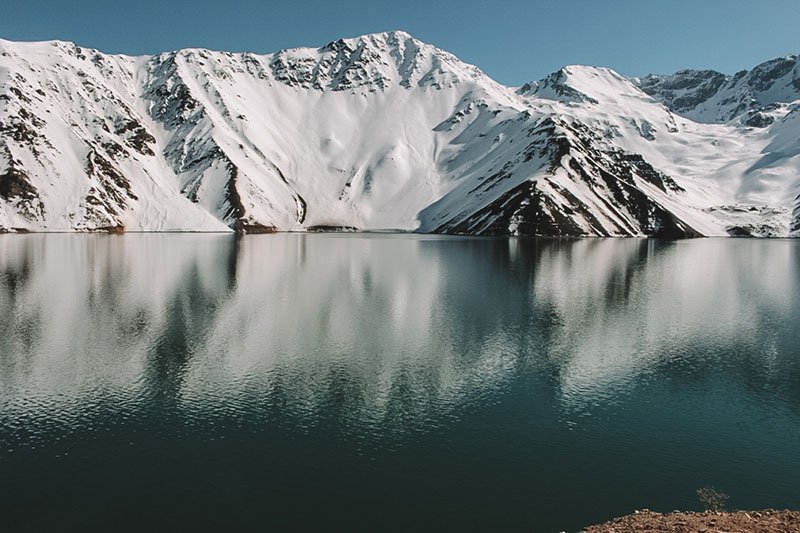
[392, 382]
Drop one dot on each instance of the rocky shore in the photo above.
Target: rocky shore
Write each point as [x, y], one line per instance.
[645, 521]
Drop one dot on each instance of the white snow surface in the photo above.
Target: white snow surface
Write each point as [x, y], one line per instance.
[384, 132]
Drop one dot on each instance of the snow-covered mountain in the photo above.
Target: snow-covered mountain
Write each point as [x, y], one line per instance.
[386, 132]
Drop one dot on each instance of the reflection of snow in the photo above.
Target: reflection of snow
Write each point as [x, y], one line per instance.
[368, 314]
[84, 311]
[372, 319]
[390, 331]
[627, 306]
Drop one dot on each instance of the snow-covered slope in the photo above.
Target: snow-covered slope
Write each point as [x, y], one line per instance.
[386, 132]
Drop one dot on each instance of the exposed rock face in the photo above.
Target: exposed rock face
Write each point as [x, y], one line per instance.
[796, 217]
[617, 204]
[386, 132]
[557, 86]
[710, 96]
[685, 90]
[16, 188]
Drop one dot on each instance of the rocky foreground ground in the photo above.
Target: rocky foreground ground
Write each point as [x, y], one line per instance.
[769, 521]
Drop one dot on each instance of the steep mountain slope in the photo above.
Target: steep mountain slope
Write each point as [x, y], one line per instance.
[385, 132]
[761, 106]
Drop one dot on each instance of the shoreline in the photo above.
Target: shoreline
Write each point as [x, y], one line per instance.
[646, 521]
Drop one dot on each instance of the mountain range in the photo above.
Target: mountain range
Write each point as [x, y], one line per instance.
[384, 132]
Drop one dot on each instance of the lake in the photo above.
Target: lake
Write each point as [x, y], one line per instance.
[392, 382]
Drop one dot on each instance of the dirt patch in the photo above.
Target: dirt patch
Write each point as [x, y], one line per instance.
[242, 227]
[119, 229]
[645, 521]
[325, 228]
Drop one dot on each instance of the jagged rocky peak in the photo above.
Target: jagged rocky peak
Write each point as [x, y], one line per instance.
[373, 62]
[767, 74]
[751, 97]
[580, 84]
[684, 90]
[368, 63]
[339, 65]
[556, 86]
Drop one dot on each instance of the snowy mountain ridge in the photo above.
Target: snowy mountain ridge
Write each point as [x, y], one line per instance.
[382, 132]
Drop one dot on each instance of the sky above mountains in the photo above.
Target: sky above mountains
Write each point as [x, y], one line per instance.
[513, 41]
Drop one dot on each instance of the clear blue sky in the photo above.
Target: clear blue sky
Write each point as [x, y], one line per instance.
[512, 40]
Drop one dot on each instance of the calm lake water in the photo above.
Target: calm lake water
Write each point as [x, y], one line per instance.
[392, 382]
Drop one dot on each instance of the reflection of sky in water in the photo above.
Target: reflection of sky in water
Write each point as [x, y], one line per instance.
[562, 359]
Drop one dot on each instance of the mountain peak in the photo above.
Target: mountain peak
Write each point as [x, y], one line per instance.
[711, 96]
[374, 61]
[392, 36]
[385, 131]
[574, 84]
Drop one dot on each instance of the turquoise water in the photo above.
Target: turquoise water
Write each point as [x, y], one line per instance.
[392, 382]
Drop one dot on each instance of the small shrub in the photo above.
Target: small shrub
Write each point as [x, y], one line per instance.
[712, 499]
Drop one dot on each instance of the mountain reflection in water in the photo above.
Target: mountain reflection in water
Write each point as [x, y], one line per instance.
[470, 382]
